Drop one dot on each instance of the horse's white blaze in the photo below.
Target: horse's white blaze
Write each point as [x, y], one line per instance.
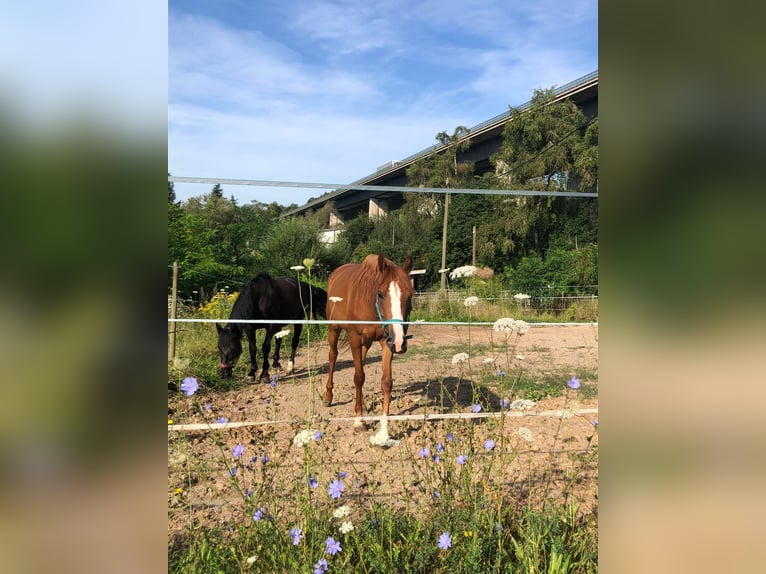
[396, 313]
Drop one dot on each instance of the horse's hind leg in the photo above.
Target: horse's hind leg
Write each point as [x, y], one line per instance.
[296, 340]
[332, 339]
[265, 349]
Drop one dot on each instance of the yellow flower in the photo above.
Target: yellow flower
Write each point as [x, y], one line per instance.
[467, 533]
[179, 490]
[170, 421]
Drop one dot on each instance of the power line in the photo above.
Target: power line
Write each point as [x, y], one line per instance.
[402, 189]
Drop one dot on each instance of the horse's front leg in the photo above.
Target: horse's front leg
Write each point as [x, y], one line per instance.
[265, 349]
[359, 352]
[250, 332]
[277, 348]
[386, 383]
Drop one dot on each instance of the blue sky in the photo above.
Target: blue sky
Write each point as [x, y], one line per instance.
[326, 91]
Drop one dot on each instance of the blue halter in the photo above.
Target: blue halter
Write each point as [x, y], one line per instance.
[386, 322]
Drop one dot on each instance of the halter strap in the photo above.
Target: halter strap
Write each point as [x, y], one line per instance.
[385, 322]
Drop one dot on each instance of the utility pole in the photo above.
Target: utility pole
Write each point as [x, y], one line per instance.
[473, 246]
[444, 241]
[174, 297]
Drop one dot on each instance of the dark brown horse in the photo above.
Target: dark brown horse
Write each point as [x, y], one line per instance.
[375, 290]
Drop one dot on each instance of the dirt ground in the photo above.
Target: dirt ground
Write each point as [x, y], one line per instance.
[559, 458]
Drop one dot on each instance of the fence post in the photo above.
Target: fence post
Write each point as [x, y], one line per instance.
[173, 301]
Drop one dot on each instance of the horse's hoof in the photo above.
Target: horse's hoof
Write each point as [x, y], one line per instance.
[264, 379]
[251, 378]
[326, 403]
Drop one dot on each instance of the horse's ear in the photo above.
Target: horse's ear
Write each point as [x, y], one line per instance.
[381, 262]
[218, 328]
[407, 267]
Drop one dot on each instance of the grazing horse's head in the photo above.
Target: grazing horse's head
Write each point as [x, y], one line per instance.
[229, 347]
[393, 301]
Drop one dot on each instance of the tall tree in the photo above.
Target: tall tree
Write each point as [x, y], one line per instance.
[443, 170]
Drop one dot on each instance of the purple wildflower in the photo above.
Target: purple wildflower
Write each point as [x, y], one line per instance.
[501, 373]
[489, 444]
[342, 474]
[332, 546]
[461, 459]
[233, 471]
[450, 436]
[208, 406]
[313, 482]
[237, 451]
[573, 383]
[445, 541]
[189, 386]
[437, 458]
[297, 535]
[321, 566]
[476, 408]
[259, 514]
[424, 452]
[318, 435]
[264, 459]
[505, 402]
[336, 488]
[439, 447]
[222, 420]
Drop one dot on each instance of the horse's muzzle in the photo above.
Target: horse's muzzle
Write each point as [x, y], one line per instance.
[392, 345]
[226, 370]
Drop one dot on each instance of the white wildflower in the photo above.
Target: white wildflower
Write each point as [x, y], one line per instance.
[521, 297]
[341, 511]
[304, 437]
[282, 333]
[459, 358]
[297, 268]
[464, 271]
[526, 434]
[519, 357]
[504, 325]
[521, 404]
[251, 560]
[346, 527]
[522, 327]
[471, 301]
[335, 299]
[488, 361]
[565, 414]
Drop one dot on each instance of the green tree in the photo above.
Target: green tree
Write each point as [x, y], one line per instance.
[443, 170]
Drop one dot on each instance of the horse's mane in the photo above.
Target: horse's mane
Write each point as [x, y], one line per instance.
[371, 276]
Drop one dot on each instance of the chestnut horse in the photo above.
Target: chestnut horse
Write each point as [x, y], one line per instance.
[379, 291]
